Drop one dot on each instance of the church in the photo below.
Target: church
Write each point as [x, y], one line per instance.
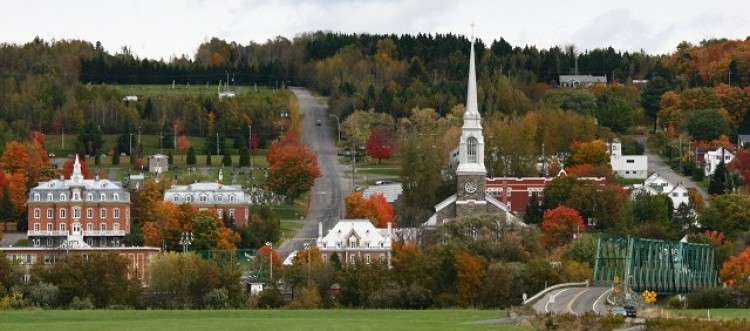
[471, 197]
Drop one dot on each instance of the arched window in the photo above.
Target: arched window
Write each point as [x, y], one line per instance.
[471, 150]
[116, 197]
[37, 197]
[231, 198]
[49, 197]
[89, 197]
[203, 198]
[62, 196]
[103, 197]
[189, 198]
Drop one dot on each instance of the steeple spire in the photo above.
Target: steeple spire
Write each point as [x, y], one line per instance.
[471, 94]
[77, 175]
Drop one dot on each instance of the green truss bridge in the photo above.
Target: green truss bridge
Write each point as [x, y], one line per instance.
[655, 265]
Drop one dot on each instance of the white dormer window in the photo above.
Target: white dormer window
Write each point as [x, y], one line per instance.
[471, 150]
[103, 197]
[231, 198]
[116, 197]
[219, 198]
[189, 198]
[202, 198]
[89, 197]
[352, 242]
[37, 196]
[62, 197]
[49, 197]
[175, 198]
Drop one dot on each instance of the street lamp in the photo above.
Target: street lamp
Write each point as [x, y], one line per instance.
[185, 241]
[338, 126]
[270, 260]
[307, 249]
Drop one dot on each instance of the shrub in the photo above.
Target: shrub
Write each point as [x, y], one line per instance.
[81, 304]
[217, 298]
[43, 294]
[270, 298]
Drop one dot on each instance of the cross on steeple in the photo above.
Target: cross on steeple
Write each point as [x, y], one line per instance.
[472, 32]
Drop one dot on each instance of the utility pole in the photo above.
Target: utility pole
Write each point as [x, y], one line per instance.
[161, 146]
[250, 144]
[217, 143]
[354, 162]
[175, 137]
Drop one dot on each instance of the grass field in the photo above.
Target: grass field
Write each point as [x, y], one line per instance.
[330, 320]
[726, 314]
[144, 91]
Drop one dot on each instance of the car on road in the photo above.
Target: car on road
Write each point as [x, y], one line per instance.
[318, 122]
[619, 311]
[630, 311]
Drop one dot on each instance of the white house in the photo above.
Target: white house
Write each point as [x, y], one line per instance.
[581, 80]
[356, 239]
[711, 159]
[629, 166]
[656, 184]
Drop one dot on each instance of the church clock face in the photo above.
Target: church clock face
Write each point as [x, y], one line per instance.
[470, 187]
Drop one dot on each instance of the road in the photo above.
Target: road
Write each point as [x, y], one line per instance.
[329, 190]
[574, 300]
[656, 164]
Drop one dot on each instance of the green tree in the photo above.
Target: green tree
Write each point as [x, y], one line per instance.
[90, 139]
[534, 212]
[115, 158]
[651, 96]
[244, 156]
[226, 158]
[205, 228]
[170, 158]
[727, 213]
[617, 115]
[261, 228]
[190, 156]
[208, 159]
[720, 181]
[708, 125]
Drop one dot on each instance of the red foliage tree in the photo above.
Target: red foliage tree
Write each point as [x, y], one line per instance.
[737, 268]
[293, 167]
[376, 208]
[559, 225]
[380, 144]
[741, 163]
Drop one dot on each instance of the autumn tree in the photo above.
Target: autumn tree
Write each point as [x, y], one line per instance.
[68, 168]
[381, 143]
[470, 273]
[375, 208]
[561, 225]
[737, 268]
[593, 152]
[292, 170]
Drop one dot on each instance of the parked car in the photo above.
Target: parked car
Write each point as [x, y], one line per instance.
[630, 310]
[318, 122]
[619, 311]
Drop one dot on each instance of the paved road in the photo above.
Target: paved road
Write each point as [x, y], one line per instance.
[574, 300]
[656, 164]
[330, 189]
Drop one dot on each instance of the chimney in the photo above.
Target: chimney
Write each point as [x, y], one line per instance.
[320, 229]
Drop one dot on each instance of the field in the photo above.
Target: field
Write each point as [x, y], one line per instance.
[331, 320]
[726, 314]
[144, 91]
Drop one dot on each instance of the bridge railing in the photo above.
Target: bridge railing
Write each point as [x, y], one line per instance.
[552, 288]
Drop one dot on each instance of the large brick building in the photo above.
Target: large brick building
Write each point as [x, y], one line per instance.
[515, 192]
[356, 239]
[78, 211]
[222, 199]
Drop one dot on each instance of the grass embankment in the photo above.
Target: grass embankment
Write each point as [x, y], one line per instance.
[332, 320]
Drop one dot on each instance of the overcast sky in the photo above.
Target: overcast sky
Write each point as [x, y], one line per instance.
[159, 29]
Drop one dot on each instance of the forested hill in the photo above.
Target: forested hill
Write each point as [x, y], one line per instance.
[389, 73]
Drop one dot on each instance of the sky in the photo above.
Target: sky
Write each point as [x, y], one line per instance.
[160, 29]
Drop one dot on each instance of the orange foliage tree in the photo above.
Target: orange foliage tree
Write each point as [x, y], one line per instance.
[593, 152]
[68, 168]
[469, 274]
[737, 268]
[376, 209]
[293, 167]
[559, 225]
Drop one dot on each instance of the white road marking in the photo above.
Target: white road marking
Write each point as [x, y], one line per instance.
[593, 307]
[552, 299]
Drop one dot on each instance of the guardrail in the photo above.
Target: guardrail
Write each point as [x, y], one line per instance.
[552, 288]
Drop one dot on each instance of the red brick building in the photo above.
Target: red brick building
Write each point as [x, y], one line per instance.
[516, 192]
[77, 210]
[223, 199]
[139, 257]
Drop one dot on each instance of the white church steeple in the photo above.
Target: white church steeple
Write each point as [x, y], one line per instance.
[77, 175]
[471, 146]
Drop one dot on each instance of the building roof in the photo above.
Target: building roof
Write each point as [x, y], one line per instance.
[214, 193]
[583, 78]
[96, 186]
[391, 192]
[363, 229]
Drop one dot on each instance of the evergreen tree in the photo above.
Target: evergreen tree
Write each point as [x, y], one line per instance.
[115, 158]
[533, 214]
[208, 159]
[244, 156]
[720, 181]
[190, 156]
[170, 158]
[226, 159]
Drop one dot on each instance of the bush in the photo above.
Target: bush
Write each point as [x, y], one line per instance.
[270, 298]
[43, 294]
[81, 304]
[675, 302]
[217, 298]
[698, 174]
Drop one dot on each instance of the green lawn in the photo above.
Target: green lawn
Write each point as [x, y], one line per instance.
[157, 90]
[726, 314]
[331, 320]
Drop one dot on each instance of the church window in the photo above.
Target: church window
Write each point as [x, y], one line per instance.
[471, 150]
